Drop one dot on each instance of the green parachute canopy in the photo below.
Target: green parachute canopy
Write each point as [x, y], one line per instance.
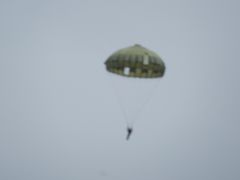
[136, 61]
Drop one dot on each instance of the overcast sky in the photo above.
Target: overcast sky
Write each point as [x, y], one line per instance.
[59, 117]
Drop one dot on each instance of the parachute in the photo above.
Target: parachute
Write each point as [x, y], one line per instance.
[135, 72]
[136, 61]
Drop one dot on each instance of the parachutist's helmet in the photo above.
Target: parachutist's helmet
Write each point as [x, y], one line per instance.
[136, 61]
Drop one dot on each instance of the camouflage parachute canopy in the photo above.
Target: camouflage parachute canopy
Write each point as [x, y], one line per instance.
[136, 61]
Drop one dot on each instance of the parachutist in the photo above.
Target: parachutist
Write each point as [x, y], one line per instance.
[129, 131]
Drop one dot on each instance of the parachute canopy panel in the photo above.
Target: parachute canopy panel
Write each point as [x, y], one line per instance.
[136, 61]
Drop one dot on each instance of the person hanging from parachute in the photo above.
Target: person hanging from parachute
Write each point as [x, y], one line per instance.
[129, 132]
[138, 63]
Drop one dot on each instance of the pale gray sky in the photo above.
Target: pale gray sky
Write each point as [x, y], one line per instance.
[59, 118]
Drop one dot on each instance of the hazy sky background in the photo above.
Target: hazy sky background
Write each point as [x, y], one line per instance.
[59, 118]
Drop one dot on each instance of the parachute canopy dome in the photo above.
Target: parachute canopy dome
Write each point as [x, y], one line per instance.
[136, 61]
